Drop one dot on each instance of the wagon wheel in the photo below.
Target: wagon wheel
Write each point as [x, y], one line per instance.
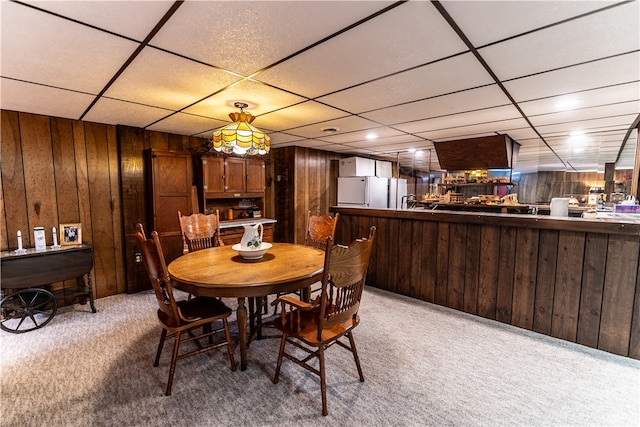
[26, 310]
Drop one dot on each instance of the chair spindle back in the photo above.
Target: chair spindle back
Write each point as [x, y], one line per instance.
[200, 231]
[154, 263]
[343, 280]
[319, 227]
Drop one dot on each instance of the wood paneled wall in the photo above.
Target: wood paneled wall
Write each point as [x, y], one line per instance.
[542, 186]
[63, 171]
[579, 286]
[135, 198]
[304, 179]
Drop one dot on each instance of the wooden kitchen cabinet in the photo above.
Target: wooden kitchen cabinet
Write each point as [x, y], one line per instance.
[213, 175]
[235, 175]
[232, 175]
[233, 185]
[255, 176]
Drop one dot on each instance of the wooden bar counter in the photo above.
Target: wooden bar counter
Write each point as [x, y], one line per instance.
[571, 278]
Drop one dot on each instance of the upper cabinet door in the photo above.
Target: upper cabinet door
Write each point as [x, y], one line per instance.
[235, 175]
[213, 175]
[255, 176]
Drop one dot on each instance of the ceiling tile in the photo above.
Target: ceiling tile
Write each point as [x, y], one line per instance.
[472, 130]
[451, 75]
[486, 116]
[168, 81]
[481, 98]
[134, 19]
[385, 142]
[617, 122]
[404, 72]
[584, 99]
[612, 110]
[627, 154]
[247, 36]
[349, 58]
[40, 48]
[260, 98]
[585, 39]
[619, 70]
[45, 100]
[186, 124]
[299, 115]
[345, 125]
[116, 112]
[477, 19]
[282, 137]
[350, 137]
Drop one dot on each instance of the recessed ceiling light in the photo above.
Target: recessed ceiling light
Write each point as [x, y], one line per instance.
[371, 136]
[566, 104]
[577, 137]
[330, 130]
[412, 150]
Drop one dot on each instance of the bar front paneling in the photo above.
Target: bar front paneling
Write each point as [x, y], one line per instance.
[574, 279]
[545, 281]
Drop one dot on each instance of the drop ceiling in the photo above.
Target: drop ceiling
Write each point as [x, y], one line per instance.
[562, 78]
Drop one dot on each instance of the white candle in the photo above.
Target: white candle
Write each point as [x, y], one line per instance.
[19, 240]
[55, 236]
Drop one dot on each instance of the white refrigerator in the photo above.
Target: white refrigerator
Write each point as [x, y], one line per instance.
[397, 192]
[363, 191]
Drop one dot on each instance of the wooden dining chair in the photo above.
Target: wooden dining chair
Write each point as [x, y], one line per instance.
[200, 231]
[314, 327]
[318, 229]
[181, 318]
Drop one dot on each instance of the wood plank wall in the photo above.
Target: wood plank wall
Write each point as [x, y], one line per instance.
[63, 171]
[132, 144]
[305, 179]
[582, 287]
[59, 170]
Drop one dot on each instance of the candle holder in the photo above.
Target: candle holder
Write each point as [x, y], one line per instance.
[55, 239]
[20, 250]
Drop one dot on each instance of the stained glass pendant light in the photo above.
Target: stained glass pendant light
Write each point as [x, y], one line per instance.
[240, 137]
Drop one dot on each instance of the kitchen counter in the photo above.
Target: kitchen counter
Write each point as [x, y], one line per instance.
[577, 279]
[232, 231]
[478, 207]
[251, 221]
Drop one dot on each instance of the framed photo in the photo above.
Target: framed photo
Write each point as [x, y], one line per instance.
[71, 234]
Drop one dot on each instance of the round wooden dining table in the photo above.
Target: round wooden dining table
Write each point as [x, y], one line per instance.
[222, 272]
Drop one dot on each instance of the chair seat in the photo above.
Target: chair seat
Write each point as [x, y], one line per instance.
[198, 310]
[181, 318]
[331, 317]
[308, 332]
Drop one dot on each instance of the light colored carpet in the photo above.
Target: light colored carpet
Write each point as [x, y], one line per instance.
[423, 365]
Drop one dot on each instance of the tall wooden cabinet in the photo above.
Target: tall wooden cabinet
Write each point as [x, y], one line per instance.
[170, 181]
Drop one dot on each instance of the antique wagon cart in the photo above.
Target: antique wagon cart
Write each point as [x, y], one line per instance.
[27, 302]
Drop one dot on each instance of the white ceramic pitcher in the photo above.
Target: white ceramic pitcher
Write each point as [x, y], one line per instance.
[252, 238]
